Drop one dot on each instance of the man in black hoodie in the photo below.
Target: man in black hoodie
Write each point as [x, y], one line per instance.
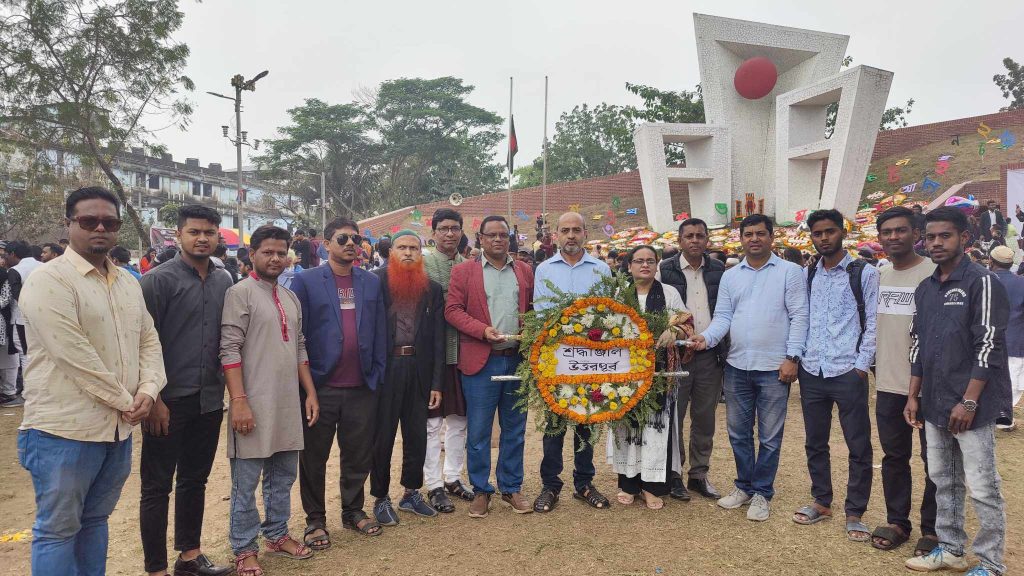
[696, 276]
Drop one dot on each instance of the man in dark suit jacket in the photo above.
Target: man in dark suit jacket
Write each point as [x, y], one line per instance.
[485, 300]
[413, 378]
[696, 276]
[345, 325]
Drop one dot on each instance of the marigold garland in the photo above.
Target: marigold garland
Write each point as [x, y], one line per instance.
[612, 310]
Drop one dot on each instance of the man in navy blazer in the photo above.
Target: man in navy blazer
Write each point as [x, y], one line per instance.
[344, 322]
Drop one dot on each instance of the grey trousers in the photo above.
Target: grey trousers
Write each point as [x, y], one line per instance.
[700, 391]
[969, 456]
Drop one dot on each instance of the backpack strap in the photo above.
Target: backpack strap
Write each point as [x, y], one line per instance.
[856, 272]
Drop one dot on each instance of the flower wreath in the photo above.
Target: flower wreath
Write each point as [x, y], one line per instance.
[606, 319]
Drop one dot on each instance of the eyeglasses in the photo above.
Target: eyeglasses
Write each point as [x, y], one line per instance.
[343, 239]
[91, 223]
[449, 229]
[496, 236]
[649, 262]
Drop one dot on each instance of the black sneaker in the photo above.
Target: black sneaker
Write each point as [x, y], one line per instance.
[414, 502]
[384, 512]
[200, 566]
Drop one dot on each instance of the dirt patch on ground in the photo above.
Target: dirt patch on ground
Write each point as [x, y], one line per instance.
[683, 538]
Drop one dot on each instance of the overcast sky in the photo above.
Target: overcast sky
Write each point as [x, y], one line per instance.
[943, 53]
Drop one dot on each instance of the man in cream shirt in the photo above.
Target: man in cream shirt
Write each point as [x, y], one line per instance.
[95, 370]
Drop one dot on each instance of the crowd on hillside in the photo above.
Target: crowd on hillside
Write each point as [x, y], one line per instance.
[301, 342]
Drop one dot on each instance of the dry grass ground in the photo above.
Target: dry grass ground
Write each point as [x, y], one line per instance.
[683, 538]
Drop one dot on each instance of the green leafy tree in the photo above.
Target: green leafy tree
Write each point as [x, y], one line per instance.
[588, 142]
[1011, 84]
[335, 139]
[428, 129]
[84, 76]
[168, 214]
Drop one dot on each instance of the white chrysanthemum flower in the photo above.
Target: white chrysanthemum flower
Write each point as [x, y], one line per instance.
[587, 320]
[567, 328]
[625, 391]
[565, 391]
[610, 322]
[607, 388]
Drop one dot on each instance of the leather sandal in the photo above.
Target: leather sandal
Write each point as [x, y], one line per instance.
[276, 548]
[241, 570]
[312, 541]
[592, 496]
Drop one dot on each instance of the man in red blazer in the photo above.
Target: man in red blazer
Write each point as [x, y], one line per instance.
[485, 300]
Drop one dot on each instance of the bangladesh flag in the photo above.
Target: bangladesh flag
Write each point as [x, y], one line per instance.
[513, 144]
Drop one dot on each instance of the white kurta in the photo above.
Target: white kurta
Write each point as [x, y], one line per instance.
[649, 459]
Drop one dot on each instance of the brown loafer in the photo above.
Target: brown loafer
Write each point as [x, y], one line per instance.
[478, 507]
[518, 502]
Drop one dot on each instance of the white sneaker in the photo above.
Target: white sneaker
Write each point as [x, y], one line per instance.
[1004, 427]
[759, 509]
[937, 559]
[735, 500]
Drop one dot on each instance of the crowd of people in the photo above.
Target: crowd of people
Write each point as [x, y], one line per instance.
[312, 347]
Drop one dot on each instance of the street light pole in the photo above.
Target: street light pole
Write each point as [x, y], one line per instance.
[240, 196]
[239, 83]
[323, 201]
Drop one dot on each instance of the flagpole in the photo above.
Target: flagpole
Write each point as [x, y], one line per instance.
[544, 181]
[509, 167]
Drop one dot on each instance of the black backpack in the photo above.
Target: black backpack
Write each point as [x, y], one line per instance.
[855, 270]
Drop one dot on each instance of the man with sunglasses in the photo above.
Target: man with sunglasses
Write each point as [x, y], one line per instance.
[344, 322]
[96, 371]
[448, 234]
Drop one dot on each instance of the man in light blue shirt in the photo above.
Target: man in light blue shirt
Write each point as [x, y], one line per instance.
[574, 271]
[762, 307]
[840, 350]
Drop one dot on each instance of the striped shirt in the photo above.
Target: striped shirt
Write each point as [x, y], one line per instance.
[959, 334]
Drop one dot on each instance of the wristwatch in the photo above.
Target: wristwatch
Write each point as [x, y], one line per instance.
[969, 405]
[793, 359]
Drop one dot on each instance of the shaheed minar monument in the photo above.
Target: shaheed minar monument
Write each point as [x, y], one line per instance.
[766, 90]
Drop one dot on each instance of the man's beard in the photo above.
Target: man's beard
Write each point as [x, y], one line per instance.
[407, 282]
[572, 249]
[98, 250]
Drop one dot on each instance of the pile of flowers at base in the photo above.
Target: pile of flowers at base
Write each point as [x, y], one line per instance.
[612, 344]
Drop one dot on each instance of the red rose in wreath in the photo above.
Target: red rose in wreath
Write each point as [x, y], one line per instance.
[595, 334]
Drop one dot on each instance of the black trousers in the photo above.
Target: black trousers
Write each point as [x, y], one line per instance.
[897, 440]
[403, 400]
[188, 449]
[850, 393]
[350, 414]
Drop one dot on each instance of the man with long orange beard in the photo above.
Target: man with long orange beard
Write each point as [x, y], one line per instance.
[412, 381]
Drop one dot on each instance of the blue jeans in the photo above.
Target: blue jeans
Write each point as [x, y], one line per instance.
[747, 392]
[279, 472]
[968, 457]
[483, 398]
[77, 485]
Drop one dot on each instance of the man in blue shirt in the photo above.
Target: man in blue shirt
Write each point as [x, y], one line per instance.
[762, 306]
[574, 271]
[834, 370]
[1001, 261]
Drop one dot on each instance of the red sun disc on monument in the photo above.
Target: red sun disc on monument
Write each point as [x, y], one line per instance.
[755, 78]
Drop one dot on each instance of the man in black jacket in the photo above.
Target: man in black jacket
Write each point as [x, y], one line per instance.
[696, 276]
[412, 381]
[990, 217]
